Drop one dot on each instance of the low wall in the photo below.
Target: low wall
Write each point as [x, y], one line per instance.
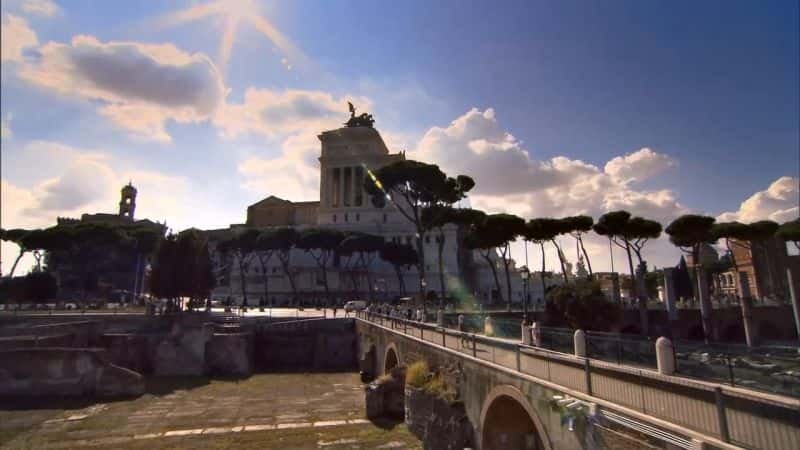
[314, 344]
[65, 372]
[18, 342]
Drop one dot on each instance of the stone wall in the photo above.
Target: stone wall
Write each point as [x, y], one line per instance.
[438, 423]
[65, 372]
[229, 354]
[314, 344]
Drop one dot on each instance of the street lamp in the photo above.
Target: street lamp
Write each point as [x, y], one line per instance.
[422, 285]
[525, 274]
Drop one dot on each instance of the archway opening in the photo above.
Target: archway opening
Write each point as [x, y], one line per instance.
[508, 425]
[391, 360]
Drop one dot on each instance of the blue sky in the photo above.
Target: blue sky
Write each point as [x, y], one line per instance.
[559, 89]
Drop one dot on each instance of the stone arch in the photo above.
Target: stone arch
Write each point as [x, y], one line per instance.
[391, 358]
[509, 421]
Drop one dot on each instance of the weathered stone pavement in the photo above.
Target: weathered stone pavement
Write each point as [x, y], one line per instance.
[263, 411]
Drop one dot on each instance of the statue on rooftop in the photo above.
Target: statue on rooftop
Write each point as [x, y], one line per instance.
[363, 120]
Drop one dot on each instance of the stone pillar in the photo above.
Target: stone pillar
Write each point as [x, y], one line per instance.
[669, 293]
[488, 327]
[526, 334]
[580, 343]
[665, 356]
[460, 322]
[355, 186]
[536, 334]
[341, 187]
[440, 318]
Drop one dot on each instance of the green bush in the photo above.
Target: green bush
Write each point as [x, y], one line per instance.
[417, 374]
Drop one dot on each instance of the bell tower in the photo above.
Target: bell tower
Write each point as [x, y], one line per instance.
[127, 202]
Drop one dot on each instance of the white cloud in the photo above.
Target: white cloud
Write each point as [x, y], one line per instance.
[140, 86]
[293, 175]
[43, 8]
[638, 165]
[779, 202]
[15, 36]
[270, 112]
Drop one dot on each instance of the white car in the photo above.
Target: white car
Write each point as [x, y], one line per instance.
[355, 305]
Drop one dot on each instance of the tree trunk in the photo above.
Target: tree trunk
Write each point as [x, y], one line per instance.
[643, 319]
[541, 275]
[586, 256]
[494, 273]
[325, 282]
[244, 280]
[441, 270]
[508, 275]
[16, 261]
[265, 276]
[744, 303]
[366, 263]
[705, 302]
[285, 258]
[421, 267]
[400, 283]
[561, 260]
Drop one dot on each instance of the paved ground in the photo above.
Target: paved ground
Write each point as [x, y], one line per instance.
[269, 411]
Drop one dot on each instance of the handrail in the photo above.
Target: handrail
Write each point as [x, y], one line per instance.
[708, 396]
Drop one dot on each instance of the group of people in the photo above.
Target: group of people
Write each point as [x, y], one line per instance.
[395, 311]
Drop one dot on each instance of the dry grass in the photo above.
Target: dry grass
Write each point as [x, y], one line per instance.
[417, 374]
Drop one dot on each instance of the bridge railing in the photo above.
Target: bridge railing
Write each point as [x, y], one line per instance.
[737, 416]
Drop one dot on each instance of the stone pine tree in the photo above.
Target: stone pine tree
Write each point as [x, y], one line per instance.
[577, 226]
[539, 232]
[321, 244]
[555, 228]
[412, 186]
[280, 242]
[736, 234]
[285, 240]
[240, 245]
[265, 249]
[20, 237]
[495, 234]
[690, 232]
[360, 250]
[630, 234]
[401, 257]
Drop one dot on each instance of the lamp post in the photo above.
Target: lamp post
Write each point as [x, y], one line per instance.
[423, 284]
[525, 274]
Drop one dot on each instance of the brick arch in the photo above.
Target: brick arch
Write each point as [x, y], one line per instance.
[506, 411]
[391, 358]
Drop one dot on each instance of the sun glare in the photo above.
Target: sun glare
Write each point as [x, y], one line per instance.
[233, 13]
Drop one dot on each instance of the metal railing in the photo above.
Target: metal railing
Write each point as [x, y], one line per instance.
[705, 408]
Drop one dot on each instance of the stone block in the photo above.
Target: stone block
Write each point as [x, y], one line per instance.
[230, 354]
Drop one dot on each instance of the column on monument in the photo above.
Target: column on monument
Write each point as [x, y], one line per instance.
[354, 190]
[341, 187]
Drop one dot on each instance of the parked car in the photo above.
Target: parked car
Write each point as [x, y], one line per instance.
[355, 305]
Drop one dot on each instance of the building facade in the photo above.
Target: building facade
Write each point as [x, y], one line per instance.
[113, 269]
[347, 155]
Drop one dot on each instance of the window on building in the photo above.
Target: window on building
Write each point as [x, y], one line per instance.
[427, 239]
[408, 240]
[334, 218]
[346, 218]
[358, 217]
[384, 217]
